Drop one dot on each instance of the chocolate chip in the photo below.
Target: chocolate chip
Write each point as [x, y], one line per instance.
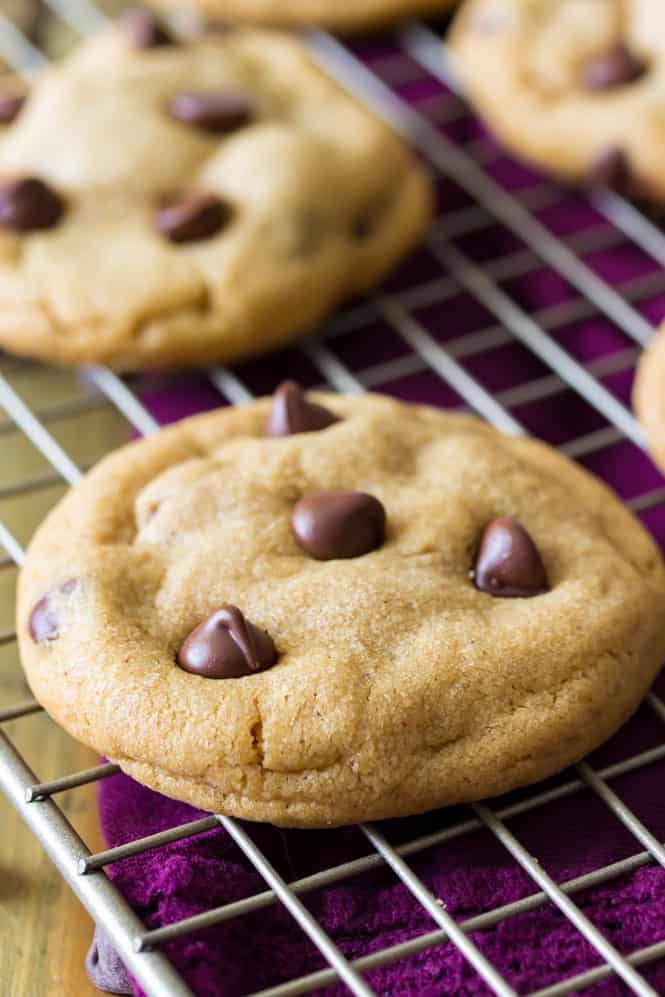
[362, 227]
[43, 621]
[227, 646]
[144, 30]
[193, 217]
[10, 105]
[28, 204]
[291, 412]
[369, 220]
[334, 525]
[508, 563]
[612, 169]
[219, 112]
[614, 68]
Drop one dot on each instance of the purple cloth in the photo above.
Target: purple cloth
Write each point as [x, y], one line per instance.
[472, 874]
[104, 967]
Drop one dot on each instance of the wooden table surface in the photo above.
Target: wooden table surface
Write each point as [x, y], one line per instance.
[44, 931]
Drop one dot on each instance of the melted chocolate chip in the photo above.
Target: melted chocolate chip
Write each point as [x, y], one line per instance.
[28, 205]
[227, 646]
[291, 413]
[612, 169]
[508, 563]
[219, 112]
[43, 621]
[362, 227]
[143, 30]
[334, 525]
[192, 218]
[368, 221]
[615, 68]
[10, 106]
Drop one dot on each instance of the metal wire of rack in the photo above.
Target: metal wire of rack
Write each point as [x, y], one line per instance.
[417, 50]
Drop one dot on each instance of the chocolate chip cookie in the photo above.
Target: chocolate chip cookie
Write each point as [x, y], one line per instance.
[573, 86]
[318, 610]
[338, 15]
[207, 199]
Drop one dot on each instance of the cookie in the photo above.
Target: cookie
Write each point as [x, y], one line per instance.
[649, 396]
[313, 624]
[207, 200]
[338, 15]
[572, 86]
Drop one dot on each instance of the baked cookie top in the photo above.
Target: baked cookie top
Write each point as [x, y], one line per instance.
[165, 203]
[344, 609]
[573, 86]
[340, 15]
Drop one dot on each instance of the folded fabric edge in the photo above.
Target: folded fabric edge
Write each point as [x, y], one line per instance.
[104, 966]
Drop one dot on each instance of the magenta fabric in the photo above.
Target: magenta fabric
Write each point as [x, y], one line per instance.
[104, 966]
[472, 874]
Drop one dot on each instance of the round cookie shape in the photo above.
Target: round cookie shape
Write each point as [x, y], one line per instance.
[338, 15]
[204, 206]
[391, 684]
[572, 86]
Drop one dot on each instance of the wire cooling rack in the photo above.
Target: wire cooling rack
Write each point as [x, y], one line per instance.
[406, 80]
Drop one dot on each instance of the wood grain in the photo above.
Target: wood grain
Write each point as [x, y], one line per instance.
[44, 931]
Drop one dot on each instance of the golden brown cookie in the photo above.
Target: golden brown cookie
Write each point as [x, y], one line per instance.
[338, 15]
[208, 199]
[572, 86]
[317, 611]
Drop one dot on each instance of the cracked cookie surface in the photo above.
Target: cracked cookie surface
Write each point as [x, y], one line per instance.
[391, 684]
[575, 87]
[208, 199]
